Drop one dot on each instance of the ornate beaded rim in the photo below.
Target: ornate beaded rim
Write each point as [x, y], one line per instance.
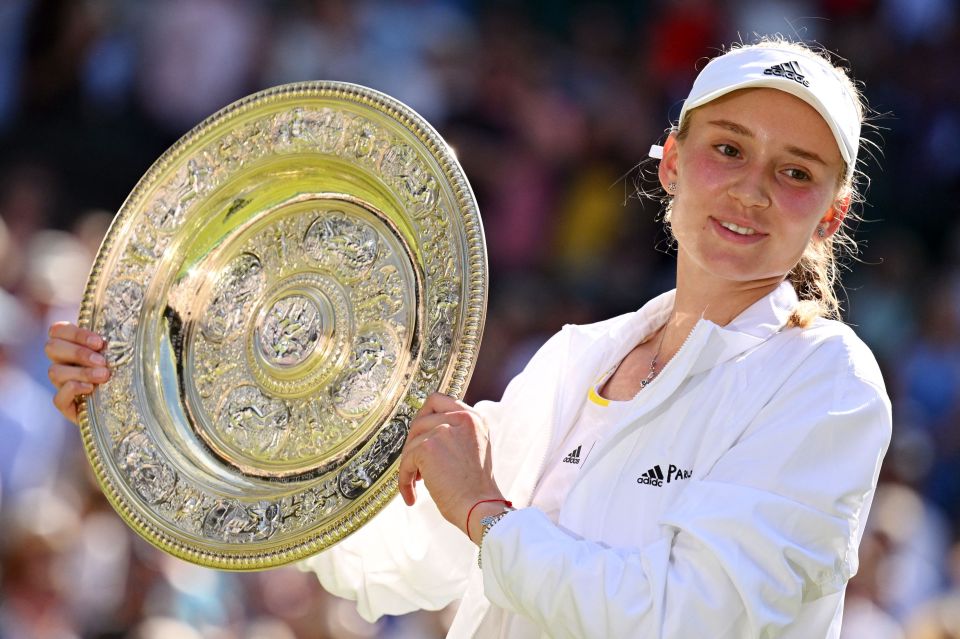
[453, 380]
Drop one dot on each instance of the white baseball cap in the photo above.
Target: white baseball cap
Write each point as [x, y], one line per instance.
[805, 75]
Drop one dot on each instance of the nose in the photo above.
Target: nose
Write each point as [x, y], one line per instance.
[750, 188]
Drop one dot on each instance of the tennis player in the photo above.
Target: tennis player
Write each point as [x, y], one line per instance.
[702, 467]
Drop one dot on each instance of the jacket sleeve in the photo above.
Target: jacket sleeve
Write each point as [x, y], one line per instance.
[775, 523]
[411, 558]
[404, 559]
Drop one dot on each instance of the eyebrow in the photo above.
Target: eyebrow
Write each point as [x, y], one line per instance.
[742, 130]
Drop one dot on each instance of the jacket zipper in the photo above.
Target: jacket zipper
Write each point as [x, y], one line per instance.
[676, 355]
[604, 442]
[556, 404]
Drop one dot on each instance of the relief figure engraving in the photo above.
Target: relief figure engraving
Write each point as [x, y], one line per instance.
[438, 342]
[290, 127]
[365, 140]
[290, 331]
[331, 125]
[146, 246]
[322, 500]
[169, 209]
[341, 244]
[241, 282]
[253, 422]
[363, 471]
[381, 295]
[365, 378]
[124, 300]
[417, 184]
[236, 523]
[145, 469]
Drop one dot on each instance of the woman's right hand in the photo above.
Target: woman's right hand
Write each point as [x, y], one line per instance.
[77, 365]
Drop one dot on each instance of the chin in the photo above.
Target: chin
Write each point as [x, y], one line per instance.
[740, 269]
[737, 264]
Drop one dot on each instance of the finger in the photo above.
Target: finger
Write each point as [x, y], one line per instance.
[440, 403]
[60, 374]
[426, 423]
[409, 473]
[66, 397]
[410, 462]
[73, 333]
[61, 351]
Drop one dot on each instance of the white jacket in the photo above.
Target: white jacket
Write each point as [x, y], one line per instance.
[782, 431]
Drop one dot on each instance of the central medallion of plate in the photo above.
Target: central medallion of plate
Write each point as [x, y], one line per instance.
[305, 327]
[290, 330]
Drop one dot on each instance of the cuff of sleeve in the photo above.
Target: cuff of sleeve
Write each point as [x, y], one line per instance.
[502, 556]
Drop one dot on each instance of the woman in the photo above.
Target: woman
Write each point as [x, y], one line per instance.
[702, 467]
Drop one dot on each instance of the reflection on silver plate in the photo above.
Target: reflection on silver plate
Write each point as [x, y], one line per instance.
[279, 294]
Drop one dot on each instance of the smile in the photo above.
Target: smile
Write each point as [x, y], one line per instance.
[742, 230]
[736, 233]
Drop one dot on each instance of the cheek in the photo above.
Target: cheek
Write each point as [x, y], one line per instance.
[706, 170]
[803, 207]
[691, 203]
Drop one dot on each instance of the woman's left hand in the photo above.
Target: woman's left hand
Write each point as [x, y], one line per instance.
[448, 448]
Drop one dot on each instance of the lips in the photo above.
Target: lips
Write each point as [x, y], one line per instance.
[741, 233]
[742, 230]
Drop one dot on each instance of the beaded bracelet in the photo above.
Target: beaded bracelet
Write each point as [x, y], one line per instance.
[487, 523]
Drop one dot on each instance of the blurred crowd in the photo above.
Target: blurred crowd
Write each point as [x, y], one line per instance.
[551, 106]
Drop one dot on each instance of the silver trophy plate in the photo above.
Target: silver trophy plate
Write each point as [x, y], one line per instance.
[279, 294]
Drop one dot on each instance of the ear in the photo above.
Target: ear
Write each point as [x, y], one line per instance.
[834, 216]
[667, 171]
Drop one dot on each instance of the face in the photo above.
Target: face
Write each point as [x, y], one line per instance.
[757, 172]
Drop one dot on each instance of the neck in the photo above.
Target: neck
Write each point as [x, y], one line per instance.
[718, 301]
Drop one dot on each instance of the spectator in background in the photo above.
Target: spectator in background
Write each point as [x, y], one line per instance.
[191, 44]
[32, 441]
[930, 383]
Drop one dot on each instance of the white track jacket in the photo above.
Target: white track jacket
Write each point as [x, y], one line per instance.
[782, 432]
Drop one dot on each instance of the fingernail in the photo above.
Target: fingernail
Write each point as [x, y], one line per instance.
[94, 342]
[98, 359]
[100, 373]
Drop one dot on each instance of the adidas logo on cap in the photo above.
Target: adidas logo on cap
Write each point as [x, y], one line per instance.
[790, 70]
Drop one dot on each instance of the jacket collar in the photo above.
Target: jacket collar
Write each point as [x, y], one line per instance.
[757, 323]
[768, 315]
[602, 346]
[707, 346]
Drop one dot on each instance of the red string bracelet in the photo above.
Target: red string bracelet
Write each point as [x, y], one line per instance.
[484, 501]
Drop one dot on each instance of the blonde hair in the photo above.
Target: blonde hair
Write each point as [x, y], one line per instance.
[816, 276]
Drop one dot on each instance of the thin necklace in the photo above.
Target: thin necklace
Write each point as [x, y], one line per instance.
[653, 362]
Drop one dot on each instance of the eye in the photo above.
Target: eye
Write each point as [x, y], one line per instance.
[798, 174]
[728, 150]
